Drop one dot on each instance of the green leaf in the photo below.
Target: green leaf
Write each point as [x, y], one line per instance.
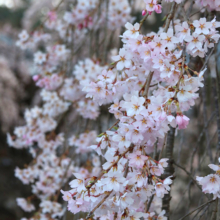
[164, 18]
[100, 135]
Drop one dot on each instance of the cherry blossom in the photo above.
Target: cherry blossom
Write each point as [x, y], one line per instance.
[39, 58]
[148, 88]
[211, 183]
[25, 205]
[123, 59]
[182, 121]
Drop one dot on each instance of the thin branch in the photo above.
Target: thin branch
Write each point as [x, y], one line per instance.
[170, 16]
[196, 12]
[126, 170]
[104, 58]
[147, 86]
[201, 206]
[190, 8]
[189, 174]
[207, 58]
[164, 145]
[199, 139]
[142, 21]
[149, 203]
[99, 204]
[114, 125]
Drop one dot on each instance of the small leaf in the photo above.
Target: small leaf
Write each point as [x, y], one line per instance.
[100, 135]
[164, 18]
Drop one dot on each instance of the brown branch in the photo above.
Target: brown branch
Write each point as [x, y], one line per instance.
[104, 57]
[142, 21]
[207, 59]
[99, 204]
[147, 86]
[170, 16]
[189, 174]
[198, 141]
[149, 203]
[201, 206]
[196, 12]
[164, 145]
[169, 169]
[114, 125]
[126, 170]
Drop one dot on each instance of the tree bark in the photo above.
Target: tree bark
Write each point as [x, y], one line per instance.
[169, 169]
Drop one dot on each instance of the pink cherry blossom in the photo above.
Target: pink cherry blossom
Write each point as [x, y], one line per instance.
[182, 121]
[123, 59]
[137, 159]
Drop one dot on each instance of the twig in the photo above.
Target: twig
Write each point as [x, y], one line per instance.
[114, 125]
[99, 204]
[142, 21]
[170, 16]
[189, 174]
[207, 59]
[126, 170]
[194, 217]
[164, 144]
[104, 58]
[147, 86]
[190, 8]
[149, 203]
[198, 141]
[205, 209]
[196, 209]
[196, 12]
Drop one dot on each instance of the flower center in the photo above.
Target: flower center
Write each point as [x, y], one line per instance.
[202, 26]
[213, 179]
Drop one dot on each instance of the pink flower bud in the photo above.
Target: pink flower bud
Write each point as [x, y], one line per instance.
[158, 9]
[80, 26]
[144, 12]
[35, 77]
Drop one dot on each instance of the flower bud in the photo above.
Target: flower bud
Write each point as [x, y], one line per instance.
[35, 77]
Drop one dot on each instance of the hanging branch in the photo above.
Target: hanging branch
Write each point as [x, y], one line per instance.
[201, 206]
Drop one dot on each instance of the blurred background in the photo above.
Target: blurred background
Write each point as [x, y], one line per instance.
[16, 92]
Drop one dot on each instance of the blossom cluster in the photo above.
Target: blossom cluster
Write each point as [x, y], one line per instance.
[211, 183]
[75, 24]
[50, 170]
[148, 87]
[158, 87]
[83, 141]
[213, 5]
[155, 5]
